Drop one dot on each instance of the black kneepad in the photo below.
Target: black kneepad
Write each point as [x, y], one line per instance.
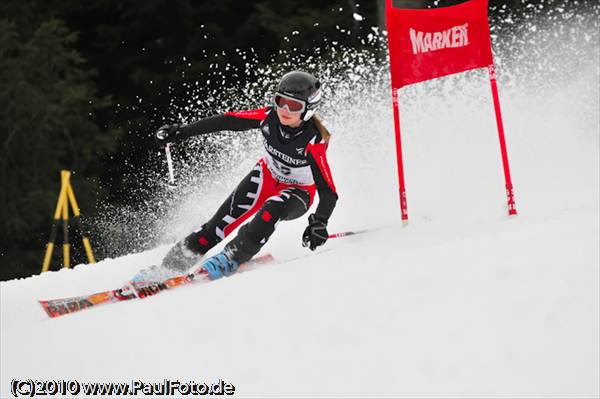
[202, 240]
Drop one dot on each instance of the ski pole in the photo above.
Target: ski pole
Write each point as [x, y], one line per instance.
[348, 233]
[351, 233]
[170, 164]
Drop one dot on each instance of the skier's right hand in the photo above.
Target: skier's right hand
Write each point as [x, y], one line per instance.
[167, 134]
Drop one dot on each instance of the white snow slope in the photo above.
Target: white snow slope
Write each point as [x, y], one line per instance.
[462, 302]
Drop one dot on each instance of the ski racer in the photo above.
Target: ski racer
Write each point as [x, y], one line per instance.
[281, 186]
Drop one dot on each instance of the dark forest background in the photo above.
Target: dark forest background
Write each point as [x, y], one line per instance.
[73, 73]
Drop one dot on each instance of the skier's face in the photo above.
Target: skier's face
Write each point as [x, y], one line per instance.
[287, 118]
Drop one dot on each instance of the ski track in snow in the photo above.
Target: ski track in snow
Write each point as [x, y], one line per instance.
[462, 302]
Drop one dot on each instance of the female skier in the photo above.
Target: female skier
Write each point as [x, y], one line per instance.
[281, 186]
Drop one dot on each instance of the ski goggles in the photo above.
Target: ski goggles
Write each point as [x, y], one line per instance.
[292, 104]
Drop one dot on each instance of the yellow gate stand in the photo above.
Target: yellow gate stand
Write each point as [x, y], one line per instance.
[65, 198]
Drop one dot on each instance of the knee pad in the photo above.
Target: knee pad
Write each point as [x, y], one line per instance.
[272, 211]
[290, 203]
[202, 240]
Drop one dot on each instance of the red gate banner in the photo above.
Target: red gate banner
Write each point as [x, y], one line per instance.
[429, 43]
[425, 44]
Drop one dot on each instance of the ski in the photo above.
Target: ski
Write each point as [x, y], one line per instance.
[140, 290]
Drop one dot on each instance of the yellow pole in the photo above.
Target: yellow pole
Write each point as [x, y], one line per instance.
[88, 250]
[62, 198]
[65, 217]
[73, 201]
[47, 256]
[84, 238]
[66, 197]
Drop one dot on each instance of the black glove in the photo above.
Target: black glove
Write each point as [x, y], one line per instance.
[315, 234]
[167, 134]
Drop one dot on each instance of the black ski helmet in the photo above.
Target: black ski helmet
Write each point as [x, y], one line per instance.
[303, 86]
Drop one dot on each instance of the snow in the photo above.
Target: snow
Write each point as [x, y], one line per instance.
[462, 302]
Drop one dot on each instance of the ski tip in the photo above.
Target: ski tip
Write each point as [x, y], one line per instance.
[47, 308]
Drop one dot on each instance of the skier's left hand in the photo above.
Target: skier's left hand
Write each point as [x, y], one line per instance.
[315, 234]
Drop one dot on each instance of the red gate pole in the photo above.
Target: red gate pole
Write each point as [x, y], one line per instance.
[512, 210]
[402, 189]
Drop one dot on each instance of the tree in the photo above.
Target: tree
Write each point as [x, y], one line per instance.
[47, 108]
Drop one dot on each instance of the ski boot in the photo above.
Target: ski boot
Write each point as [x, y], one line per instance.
[180, 258]
[178, 261]
[222, 264]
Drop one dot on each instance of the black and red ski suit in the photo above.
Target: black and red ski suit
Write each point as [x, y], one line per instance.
[281, 186]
